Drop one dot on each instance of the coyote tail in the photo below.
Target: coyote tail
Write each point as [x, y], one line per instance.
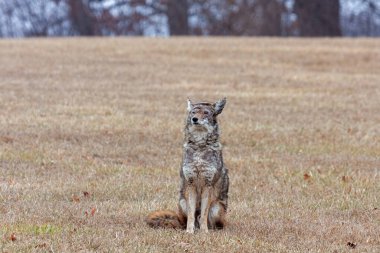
[165, 219]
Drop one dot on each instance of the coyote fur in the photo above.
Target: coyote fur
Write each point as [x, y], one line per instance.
[204, 179]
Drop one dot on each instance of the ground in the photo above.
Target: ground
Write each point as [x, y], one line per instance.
[91, 142]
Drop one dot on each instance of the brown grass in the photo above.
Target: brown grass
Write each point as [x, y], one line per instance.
[91, 136]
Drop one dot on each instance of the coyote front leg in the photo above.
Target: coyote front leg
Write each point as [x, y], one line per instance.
[191, 205]
[205, 207]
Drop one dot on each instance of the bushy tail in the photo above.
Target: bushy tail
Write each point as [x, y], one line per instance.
[165, 219]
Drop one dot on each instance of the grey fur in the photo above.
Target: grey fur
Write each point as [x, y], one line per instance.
[203, 173]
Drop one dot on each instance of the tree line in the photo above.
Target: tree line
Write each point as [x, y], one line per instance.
[23, 18]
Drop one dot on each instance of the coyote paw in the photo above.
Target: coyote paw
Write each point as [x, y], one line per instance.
[204, 229]
[190, 229]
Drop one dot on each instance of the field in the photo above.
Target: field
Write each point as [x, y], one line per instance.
[91, 142]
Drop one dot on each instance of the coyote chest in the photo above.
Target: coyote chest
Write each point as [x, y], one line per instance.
[200, 166]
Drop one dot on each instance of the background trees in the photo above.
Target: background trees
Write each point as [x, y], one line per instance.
[318, 17]
[190, 17]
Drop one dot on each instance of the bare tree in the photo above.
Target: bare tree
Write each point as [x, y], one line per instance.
[270, 21]
[363, 20]
[240, 17]
[32, 18]
[118, 17]
[136, 16]
[82, 18]
[318, 17]
[178, 17]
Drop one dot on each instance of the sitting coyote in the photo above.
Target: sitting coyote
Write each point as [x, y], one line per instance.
[203, 177]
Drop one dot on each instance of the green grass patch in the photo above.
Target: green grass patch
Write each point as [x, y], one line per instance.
[31, 229]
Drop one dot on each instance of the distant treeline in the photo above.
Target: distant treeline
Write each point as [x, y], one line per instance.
[23, 18]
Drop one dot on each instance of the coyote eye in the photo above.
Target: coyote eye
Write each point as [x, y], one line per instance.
[206, 112]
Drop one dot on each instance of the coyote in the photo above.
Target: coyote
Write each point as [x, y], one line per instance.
[204, 179]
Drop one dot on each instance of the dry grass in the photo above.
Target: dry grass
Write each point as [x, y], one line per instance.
[91, 136]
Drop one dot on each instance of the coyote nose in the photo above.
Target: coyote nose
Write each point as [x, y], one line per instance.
[195, 120]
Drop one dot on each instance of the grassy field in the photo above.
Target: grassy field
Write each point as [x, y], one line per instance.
[91, 141]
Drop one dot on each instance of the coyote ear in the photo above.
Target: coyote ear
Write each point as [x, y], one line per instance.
[189, 105]
[218, 106]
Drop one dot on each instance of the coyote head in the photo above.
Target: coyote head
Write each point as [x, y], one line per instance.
[201, 120]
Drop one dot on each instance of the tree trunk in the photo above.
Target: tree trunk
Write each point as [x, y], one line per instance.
[271, 23]
[81, 18]
[318, 17]
[177, 13]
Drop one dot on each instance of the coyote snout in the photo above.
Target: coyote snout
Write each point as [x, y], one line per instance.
[195, 120]
[204, 179]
